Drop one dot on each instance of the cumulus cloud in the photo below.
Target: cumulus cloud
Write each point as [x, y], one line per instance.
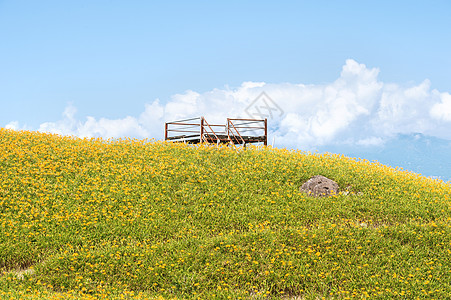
[355, 109]
[115, 128]
[12, 125]
[442, 110]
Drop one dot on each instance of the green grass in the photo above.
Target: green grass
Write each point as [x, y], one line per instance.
[144, 219]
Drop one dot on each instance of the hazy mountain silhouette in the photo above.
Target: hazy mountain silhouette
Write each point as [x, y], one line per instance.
[429, 156]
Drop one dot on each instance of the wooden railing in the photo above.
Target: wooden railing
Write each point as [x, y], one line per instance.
[235, 131]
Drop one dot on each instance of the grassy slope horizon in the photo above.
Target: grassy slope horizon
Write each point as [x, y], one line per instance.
[94, 218]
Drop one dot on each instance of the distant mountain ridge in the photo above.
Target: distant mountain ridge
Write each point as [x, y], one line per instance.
[419, 153]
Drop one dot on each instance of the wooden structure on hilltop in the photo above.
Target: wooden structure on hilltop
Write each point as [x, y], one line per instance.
[235, 131]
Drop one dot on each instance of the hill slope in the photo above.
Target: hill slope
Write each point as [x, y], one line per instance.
[143, 219]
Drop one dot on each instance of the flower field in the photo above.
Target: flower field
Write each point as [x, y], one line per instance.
[143, 219]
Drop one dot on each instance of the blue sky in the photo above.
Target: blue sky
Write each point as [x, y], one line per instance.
[373, 74]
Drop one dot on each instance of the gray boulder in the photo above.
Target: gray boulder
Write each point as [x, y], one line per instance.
[320, 186]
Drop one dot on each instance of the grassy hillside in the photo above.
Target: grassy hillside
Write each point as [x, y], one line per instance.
[93, 219]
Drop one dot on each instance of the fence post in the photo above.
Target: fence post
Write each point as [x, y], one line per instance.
[165, 131]
[228, 130]
[266, 132]
[201, 129]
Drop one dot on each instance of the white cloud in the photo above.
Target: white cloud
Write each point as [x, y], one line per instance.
[152, 119]
[69, 125]
[404, 110]
[12, 125]
[355, 109]
[442, 110]
[371, 141]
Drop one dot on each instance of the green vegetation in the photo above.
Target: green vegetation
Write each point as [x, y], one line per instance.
[93, 219]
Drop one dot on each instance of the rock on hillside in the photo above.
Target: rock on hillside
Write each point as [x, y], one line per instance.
[319, 186]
